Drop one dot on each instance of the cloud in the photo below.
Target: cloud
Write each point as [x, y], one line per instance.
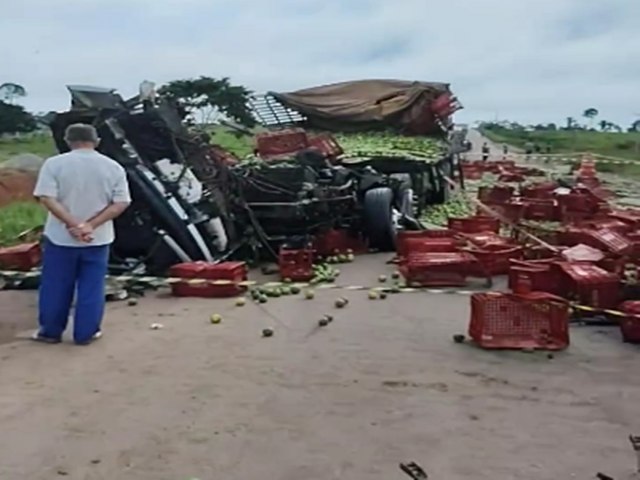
[526, 60]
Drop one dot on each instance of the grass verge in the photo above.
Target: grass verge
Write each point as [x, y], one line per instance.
[17, 217]
[38, 144]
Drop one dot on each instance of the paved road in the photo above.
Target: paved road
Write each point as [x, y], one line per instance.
[382, 384]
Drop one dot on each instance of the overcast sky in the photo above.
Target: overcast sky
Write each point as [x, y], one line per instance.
[525, 60]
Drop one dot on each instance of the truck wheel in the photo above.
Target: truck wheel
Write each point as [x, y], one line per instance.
[378, 219]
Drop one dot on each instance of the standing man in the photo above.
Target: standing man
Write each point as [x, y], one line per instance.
[83, 192]
[485, 151]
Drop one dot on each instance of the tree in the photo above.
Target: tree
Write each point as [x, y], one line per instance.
[10, 91]
[635, 126]
[605, 125]
[205, 97]
[552, 127]
[591, 114]
[15, 119]
[571, 123]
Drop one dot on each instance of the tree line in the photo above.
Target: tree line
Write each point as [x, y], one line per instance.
[197, 100]
[590, 114]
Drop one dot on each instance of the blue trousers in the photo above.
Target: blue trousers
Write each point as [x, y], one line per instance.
[66, 270]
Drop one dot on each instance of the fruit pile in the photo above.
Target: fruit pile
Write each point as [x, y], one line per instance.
[457, 206]
[384, 144]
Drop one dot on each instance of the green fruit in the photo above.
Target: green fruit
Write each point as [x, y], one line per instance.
[350, 257]
[309, 294]
[395, 275]
[287, 280]
[373, 295]
[263, 299]
[267, 332]
[295, 290]
[285, 291]
[383, 295]
[323, 322]
[382, 278]
[132, 302]
[215, 318]
[240, 302]
[341, 302]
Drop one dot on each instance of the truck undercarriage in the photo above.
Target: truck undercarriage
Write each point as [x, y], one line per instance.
[190, 203]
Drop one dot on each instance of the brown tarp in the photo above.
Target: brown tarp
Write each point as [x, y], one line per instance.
[367, 104]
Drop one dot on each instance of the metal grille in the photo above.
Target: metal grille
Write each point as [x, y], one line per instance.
[269, 112]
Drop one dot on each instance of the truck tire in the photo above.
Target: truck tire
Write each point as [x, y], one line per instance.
[378, 219]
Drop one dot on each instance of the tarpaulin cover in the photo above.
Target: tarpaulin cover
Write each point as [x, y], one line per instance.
[368, 104]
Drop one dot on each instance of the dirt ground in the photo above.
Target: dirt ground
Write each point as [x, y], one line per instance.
[16, 185]
[382, 384]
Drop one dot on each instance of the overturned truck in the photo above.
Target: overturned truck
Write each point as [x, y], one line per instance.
[194, 201]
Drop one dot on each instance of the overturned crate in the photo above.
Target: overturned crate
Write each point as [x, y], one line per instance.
[531, 321]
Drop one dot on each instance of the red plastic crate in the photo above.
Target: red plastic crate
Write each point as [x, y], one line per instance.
[427, 244]
[485, 238]
[630, 326]
[281, 144]
[472, 172]
[541, 191]
[326, 144]
[531, 276]
[534, 320]
[436, 269]
[296, 265]
[475, 224]
[589, 285]
[338, 241]
[509, 177]
[21, 257]
[494, 259]
[496, 194]
[235, 272]
[613, 241]
[541, 210]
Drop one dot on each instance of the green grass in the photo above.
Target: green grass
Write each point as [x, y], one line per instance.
[240, 146]
[17, 218]
[622, 145]
[39, 144]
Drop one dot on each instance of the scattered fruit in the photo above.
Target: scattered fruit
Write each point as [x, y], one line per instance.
[263, 299]
[328, 318]
[241, 302]
[323, 322]
[295, 290]
[383, 295]
[285, 291]
[395, 275]
[395, 289]
[373, 295]
[382, 278]
[309, 294]
[216, 318]
[341, 302]
[156, 326]
[287, 280]
[458, 338]
[350, 257]
[267, 332]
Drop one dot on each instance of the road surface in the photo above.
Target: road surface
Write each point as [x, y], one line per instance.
[382, 384]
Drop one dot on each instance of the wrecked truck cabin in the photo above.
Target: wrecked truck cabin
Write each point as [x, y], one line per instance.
[365, 157]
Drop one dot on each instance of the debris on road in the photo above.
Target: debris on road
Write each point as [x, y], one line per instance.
[267, 332]
[156, 326]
